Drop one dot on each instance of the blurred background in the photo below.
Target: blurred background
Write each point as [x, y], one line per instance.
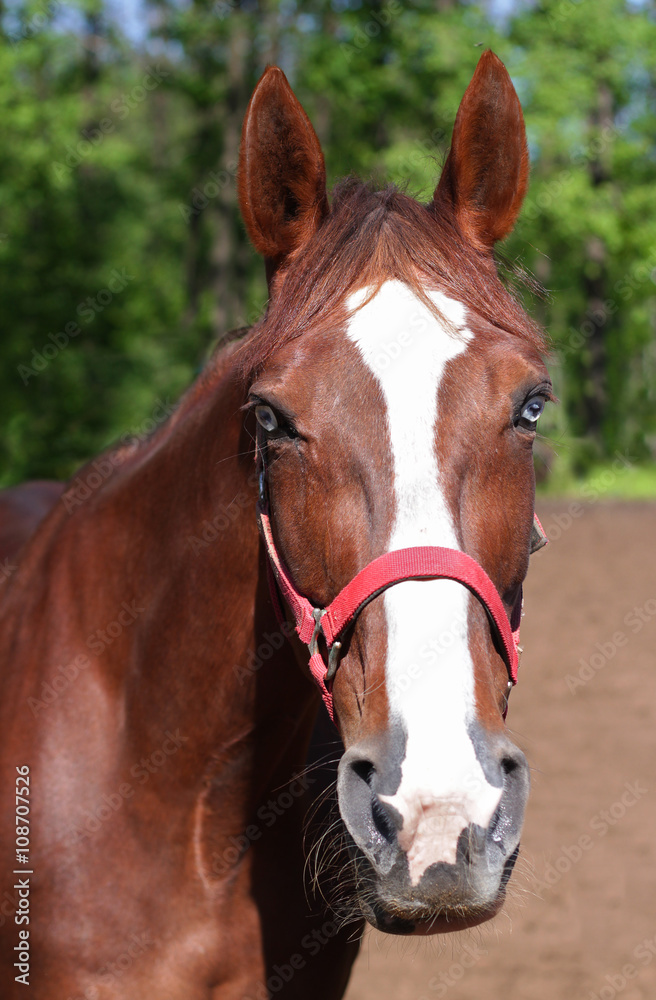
[123, 259]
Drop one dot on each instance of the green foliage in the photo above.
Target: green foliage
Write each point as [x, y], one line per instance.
[587, 81]
[122, 257]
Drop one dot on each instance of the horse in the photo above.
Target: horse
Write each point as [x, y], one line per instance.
[341, 507]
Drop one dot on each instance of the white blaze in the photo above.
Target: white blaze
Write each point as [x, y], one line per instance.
[429, 670]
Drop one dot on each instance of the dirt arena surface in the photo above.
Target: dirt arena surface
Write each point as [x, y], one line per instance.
[580, 921]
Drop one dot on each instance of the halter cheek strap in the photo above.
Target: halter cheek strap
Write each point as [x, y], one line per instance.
[420, 563]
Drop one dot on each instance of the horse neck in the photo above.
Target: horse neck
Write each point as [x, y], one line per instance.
[169, 548]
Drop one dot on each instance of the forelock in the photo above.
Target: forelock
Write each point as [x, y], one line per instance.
[371, 236]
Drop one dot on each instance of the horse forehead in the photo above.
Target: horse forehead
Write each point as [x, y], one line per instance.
[406, 344]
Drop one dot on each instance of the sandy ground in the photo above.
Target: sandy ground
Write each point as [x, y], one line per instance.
[580, 923]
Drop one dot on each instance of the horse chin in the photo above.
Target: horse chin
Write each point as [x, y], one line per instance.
[413, 912]
[403, 920]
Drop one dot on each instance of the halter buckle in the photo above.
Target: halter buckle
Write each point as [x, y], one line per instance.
[313, 646]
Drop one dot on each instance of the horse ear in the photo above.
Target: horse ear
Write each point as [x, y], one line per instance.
[282, 175]
[486, 172]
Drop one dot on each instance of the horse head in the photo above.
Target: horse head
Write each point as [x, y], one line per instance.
[395, 386]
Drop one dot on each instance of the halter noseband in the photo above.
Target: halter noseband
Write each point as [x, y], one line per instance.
[419, 563]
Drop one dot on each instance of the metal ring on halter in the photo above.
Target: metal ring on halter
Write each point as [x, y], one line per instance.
[506, 697]
[313, 644]
[333, 661]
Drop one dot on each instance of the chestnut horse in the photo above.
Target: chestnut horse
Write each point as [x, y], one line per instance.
[156, 704]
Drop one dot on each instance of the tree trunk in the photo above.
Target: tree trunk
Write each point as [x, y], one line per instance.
[229, 255]
[593, 399]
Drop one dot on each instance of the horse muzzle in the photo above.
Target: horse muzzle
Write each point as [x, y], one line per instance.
[424, 864]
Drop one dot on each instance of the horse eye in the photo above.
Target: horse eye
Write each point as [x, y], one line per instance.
[533, 410]
[266, 418]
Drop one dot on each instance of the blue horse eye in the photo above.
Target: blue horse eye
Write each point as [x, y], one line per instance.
[533, 409]
[266, 418]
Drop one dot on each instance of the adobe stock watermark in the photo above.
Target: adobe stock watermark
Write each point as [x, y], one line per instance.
[98, 642]
[161, 411]
[110, 803]
[558, 15]
[135, 946]
[268, 815]
[100, 469]
[600, 824]
[272, 641]
[208, 189]
[212, 528]
[389, 353]
[635, 620]
[120, 108]
[87, 310]
[591, 492]
[417, 323]
[427, 655]
[223, 8]
[37, 22]
[553, 189]
[595, 317]
[311, 945]
[371, 29]
[616, 982]
[425, 149]
[441, 984]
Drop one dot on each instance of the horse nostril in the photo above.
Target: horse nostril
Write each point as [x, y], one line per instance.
[504, 831]
[370, 822]
[382, 821]
[508, 765]
[364, 770]
[512, 764]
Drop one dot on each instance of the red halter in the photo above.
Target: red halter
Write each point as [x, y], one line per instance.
[421, 563]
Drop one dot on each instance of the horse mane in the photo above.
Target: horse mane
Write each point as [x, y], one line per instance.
[373, 235]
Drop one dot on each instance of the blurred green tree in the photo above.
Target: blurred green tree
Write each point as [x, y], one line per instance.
[587, 80]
